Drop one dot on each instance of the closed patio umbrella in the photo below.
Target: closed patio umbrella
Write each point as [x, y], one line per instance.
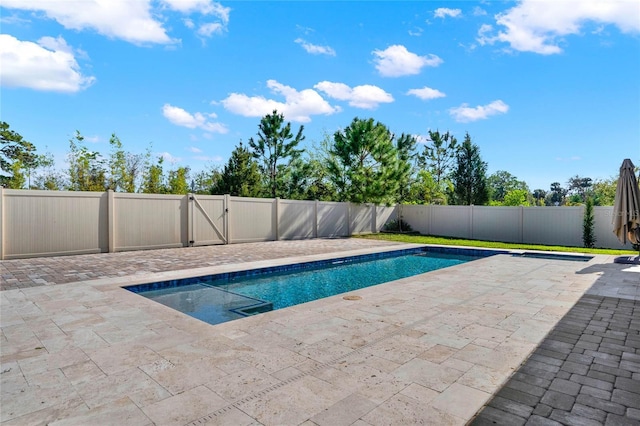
[626, 209]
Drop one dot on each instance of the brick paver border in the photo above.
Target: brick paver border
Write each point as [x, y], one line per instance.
[585, 372]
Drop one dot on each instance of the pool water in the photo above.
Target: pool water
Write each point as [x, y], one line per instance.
[218, 299]
[288, 289]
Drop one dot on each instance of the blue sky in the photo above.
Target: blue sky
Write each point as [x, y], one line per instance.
[546, 89]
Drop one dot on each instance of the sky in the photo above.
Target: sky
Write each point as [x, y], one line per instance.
[546, 89]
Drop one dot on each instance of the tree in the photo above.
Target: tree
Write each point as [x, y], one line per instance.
[439, 157]
[86, 169]
[516, 197]
[539, 196]
[177, 181]
[16, 155]
[469, 178]
[275, 143]
[588, 237]
[579, 186]
[203, 181]
[241, 176]
[425, 190]
[308, 178]
[557, 195]
[153, 177]
[17, 179]
[125, 167]
[364, 163]
[405, 147]
[604, 192]
[501, 182]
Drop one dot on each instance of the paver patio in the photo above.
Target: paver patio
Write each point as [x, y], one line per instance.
[78, 349]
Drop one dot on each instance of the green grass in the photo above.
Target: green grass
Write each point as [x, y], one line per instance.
[424, 239]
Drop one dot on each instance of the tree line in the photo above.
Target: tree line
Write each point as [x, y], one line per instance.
[363, 163]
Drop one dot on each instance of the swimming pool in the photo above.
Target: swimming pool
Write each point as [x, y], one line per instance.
[225, 297]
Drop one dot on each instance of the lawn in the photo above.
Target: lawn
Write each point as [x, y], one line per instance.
[426, 239]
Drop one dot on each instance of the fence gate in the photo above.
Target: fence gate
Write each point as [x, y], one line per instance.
[208, 217]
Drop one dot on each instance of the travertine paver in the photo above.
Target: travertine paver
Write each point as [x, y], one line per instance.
[430, 349]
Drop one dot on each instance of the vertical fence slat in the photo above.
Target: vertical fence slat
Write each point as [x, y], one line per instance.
[227, 222]
[111, 207]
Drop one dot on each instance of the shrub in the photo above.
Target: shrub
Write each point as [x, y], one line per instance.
[397, 226]
[588, 237]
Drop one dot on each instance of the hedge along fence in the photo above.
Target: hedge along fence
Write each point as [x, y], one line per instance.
[50, 223]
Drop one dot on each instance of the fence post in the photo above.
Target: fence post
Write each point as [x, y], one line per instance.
[277, 223]
[227, 218]
[111, 222]
[521, 224]
[471, 222]
[374, 213]
[348, 218]
[1, 222]
[315, 219]
[190, 220]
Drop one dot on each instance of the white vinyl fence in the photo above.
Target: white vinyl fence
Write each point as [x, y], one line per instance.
[49, 223]
[560, 226]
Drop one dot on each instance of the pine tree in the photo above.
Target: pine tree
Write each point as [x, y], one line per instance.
[588, 237]
[469, 178]
[16, 155]
[275, 144]
[364, 163]
[241, 176]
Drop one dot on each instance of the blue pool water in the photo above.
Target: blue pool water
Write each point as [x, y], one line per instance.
[220, 298]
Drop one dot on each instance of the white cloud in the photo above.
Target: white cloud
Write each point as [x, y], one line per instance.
[206, 30]
[137, 22]
[314, 49]
[180, 117]
[48, 65]
[214, 159]
[298, 105]
[396, 61]
[422, 139]
[189, 23]
[426, 93]
[465, 114]
[538, 26]
[204, 7]
[169, 158]
[127, 20]
[478, 11]
[365, 96]
[14, 20]
[194, 149]
[443, 12]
